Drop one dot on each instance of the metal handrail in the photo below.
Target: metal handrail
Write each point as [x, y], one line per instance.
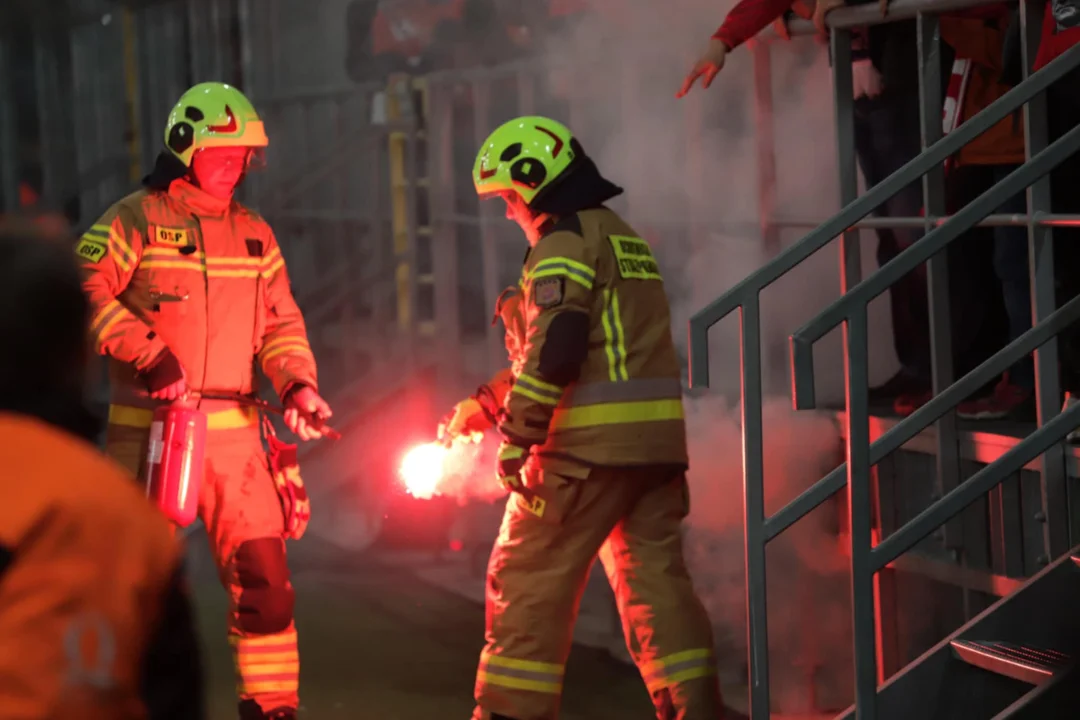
[747, 290]
[861, 452]
[901, 433]
[856, 299]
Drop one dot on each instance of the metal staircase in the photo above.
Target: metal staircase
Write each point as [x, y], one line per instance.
[1016, 659]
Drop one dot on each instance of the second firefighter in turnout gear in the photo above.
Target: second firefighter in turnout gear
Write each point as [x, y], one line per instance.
[189, 294]
[594, 442]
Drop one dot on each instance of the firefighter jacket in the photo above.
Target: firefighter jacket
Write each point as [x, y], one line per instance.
[598, 380]
[182, 271]
[93, 612]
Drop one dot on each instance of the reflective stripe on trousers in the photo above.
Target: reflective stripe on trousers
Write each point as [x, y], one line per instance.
[678, 668]
[520, 674]
[267, 664]
[613, 403]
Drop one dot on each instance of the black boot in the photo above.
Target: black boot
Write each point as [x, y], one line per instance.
[250, 710]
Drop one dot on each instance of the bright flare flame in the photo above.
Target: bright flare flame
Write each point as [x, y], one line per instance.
[423, 469]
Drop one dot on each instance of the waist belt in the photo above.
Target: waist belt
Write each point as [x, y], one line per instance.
[231, 419]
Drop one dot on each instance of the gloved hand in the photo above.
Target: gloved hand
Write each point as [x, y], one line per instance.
[165, 378]
[295, 505]
[305, 413]
[467, 421]
[510, 463]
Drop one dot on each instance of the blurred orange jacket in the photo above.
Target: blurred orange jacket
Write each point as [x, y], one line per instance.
[94, 621]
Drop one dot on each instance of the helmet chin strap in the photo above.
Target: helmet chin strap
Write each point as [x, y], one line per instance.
[533, 231]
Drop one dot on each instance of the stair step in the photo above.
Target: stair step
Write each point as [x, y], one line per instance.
[1030, 665]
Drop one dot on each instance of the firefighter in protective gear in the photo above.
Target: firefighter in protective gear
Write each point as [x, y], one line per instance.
[594, 443]
[94, 614]
[190, 293]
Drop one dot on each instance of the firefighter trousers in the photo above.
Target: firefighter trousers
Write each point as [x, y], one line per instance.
[240, 507]
[631, 518]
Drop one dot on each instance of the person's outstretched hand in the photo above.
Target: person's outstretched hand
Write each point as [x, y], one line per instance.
[707, 67]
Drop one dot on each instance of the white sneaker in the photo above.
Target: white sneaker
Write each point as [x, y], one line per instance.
[1071, 400]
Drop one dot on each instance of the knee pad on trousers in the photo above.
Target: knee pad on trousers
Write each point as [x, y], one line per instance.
[266, 597]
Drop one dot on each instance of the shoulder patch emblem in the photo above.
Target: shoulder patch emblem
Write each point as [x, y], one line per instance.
[91, 249]
[170, 237]
[254, 247]
[548, 292]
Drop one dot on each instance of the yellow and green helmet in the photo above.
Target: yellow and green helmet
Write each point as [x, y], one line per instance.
[212, 115]
[524, 155]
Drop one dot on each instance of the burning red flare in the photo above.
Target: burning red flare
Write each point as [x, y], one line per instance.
[423, 469]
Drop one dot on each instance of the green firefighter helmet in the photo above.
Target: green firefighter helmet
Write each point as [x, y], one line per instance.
[212, 115]
[525, 156]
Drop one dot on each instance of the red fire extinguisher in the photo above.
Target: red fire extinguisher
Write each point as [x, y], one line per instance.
[174, 462]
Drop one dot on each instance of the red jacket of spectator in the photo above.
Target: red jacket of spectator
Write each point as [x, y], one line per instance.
[978, 36]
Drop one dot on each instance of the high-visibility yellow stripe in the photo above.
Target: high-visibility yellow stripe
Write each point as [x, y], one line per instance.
[515, 683]
[693, 673]
[609, 338]
[540, 384]
[105, 313]
[158, 254]
[253, 670]
[569, 263]
[536, 389]
[282, 639]
[562, 272]
[121, 252]
[104, 331]
[285, 340]
[266, 686]
[533, 395]
[273, 269]
[677, 657]
[678, 668]
[230, 419]
[526, 665]
[199, 267]
[294, 347]
[260, 656]
[620, 336]
[617, 414]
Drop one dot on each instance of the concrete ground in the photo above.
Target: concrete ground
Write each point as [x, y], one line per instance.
[379, 642]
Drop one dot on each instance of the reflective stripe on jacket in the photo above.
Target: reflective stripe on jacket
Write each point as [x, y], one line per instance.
[205, 279]
[599, 380]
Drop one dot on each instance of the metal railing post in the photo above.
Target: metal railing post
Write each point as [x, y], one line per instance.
[947, 458]
[754, 509]
[1053, 476]
[844, 103]
[860, 511]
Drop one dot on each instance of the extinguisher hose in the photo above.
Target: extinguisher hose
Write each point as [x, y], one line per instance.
[313, 420]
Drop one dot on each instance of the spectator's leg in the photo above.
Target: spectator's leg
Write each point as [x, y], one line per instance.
[881, 151]
[1063, 105]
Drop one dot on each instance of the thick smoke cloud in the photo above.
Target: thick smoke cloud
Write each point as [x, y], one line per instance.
[691, 172]
[690, 168]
